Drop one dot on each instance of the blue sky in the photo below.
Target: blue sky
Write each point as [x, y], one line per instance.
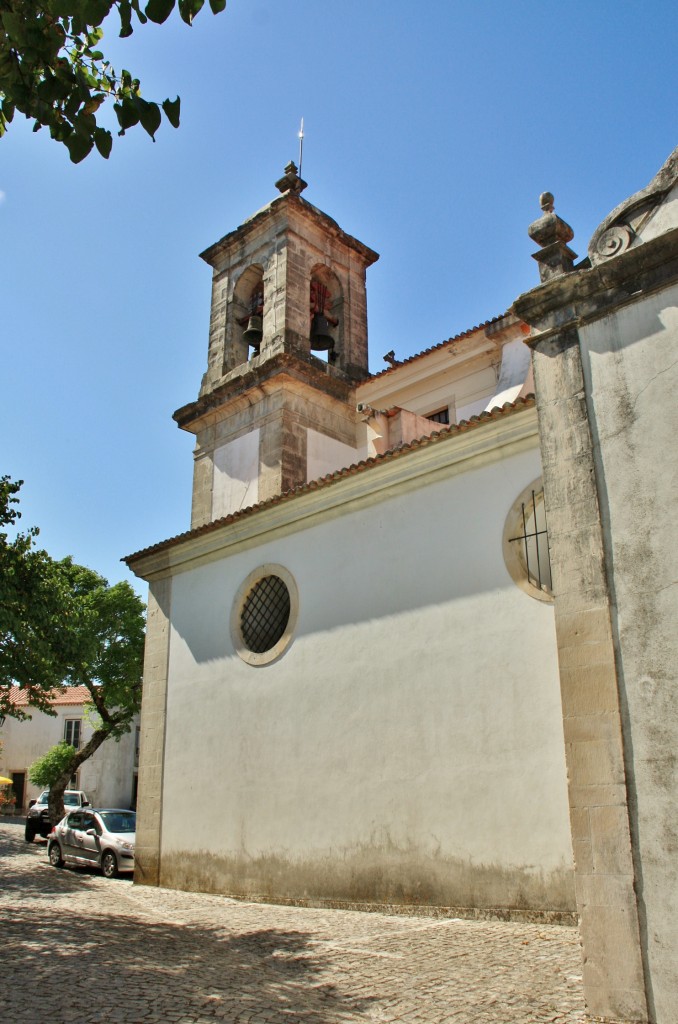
[431, 129]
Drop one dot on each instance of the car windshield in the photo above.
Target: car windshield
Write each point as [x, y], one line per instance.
[119, 821]
[71, 800]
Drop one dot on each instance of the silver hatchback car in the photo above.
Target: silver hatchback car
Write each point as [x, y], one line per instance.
[101, 839]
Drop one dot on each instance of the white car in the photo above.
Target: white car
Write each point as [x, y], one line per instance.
[37, 819]
[101, 839]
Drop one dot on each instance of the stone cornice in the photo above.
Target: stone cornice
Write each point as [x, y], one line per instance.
[250, 379]
[286, 208]
[439, 456]
[588, 294]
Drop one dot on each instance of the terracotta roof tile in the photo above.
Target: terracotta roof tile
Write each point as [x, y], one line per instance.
[434, 348]
[436, 436]
[69, 695]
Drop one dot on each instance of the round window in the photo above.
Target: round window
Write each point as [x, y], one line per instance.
[264, 615]
[526, 543]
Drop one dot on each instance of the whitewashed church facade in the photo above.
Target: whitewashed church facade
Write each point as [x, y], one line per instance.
[352, 690]
[372, 678]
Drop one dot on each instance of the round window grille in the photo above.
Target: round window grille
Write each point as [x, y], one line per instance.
[526, 544]
[265, 614]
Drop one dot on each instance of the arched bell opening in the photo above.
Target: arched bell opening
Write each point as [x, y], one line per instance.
[325, 315]
[247, 314]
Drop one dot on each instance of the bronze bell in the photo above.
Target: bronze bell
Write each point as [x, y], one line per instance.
[321, 339]
[253, 333]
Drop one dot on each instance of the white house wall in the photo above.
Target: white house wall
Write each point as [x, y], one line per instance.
[451, 386]
[407, 747]
[107, 777]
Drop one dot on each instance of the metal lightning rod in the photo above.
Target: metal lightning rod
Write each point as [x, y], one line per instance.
[300, 133]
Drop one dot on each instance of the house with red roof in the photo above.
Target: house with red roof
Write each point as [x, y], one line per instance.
[109, 777]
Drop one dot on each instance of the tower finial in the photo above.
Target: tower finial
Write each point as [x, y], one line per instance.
[300, 134]
[546, 202]
[551, 233]
[290, 181]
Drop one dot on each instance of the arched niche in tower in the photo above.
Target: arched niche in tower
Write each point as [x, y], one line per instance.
[245, 319]
[326, 314]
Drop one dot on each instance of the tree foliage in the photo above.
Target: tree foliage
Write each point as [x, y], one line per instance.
[62, 624]
[53, 70]
[33, 589]
[106, 642]
[49, 768]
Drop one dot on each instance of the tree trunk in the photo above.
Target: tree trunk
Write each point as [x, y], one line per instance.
[57, 789]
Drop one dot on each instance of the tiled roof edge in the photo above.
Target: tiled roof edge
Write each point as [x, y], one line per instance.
[358, 467]
[66, 695]
[435, 348]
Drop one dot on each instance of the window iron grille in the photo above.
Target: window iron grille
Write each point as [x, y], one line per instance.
[265, 614]
[534, 542]
[441, 416]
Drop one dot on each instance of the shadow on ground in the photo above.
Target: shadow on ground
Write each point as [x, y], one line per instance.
[86, 967]
[121, 968]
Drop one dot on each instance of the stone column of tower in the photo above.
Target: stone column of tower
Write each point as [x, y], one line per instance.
[288, 343]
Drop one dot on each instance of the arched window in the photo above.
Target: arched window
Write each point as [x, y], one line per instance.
[325, 314]
[248, 312]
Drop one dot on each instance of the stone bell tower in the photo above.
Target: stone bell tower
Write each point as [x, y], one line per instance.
[287, 345]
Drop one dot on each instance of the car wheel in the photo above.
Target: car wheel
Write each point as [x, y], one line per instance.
[109, 864]
[29, 834]
[55, 858]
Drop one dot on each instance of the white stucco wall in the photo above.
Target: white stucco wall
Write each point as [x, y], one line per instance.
[235, 483]
[407, 747]
[107, 777]
[630, 362]
[326, 455]
[515, 369]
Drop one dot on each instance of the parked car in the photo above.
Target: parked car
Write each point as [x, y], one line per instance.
[101, 839]
[37, 819]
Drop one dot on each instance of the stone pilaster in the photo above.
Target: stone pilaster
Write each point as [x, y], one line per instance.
[601, 837]
[152, 738]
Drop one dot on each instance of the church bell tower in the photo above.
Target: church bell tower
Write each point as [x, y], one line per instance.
[287, 345]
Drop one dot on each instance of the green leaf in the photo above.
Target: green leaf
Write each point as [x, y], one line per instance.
[139, 13]
[218, 6]
[78, 146]
[149, 115]
[159, 10]
[72, 104]
[125, 12]
[7, 108]
[127, 113]
[188, 9]
[13, 25]
[96, 10]
[103, 140]
[172, 111]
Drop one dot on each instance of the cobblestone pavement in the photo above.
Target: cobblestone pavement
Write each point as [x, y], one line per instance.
[78, 948]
